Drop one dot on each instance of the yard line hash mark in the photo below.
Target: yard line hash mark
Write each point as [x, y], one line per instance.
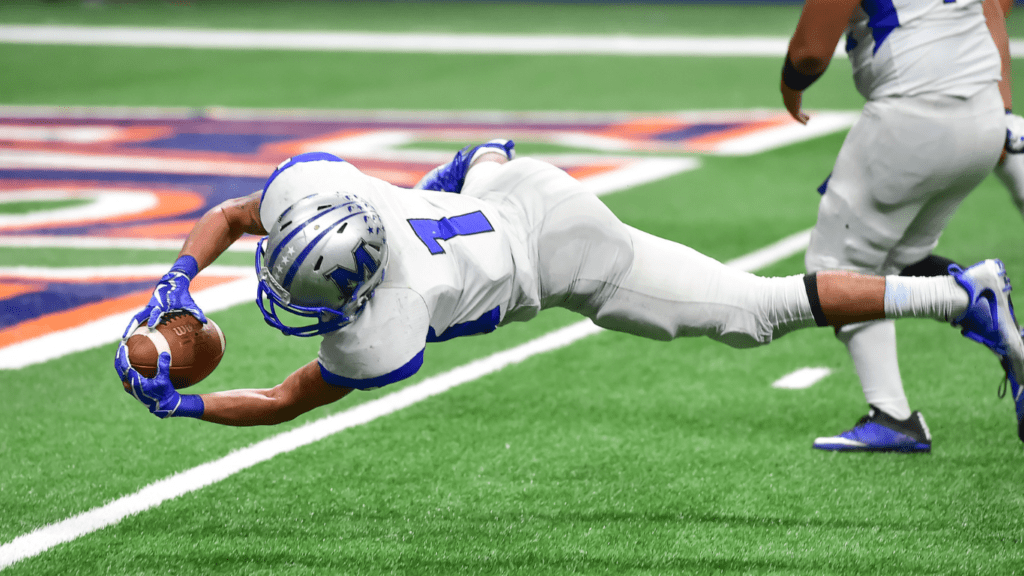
[42, 539]
[802, 378]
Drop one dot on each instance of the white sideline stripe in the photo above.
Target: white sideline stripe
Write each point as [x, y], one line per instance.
[623, 45]
[117, 271]
[247, 244]
[802, 378]
[638, 173]
[820, 124]
[773, 253]
[591, 44]
[619, 45]
[46, 160]
[42, 539]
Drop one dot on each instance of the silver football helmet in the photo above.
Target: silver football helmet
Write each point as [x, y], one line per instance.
[323, 258]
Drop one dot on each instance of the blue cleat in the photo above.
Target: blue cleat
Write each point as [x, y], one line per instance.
[1018, 401]
[451, 176]
[990, 320]
[1017, 393]
[879, 432]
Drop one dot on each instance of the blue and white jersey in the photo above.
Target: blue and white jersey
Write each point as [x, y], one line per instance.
[913, 47]
[451, 273]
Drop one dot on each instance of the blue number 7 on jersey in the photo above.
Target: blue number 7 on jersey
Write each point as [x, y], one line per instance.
[432, 231]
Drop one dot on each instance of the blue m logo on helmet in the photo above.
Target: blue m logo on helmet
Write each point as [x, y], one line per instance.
[348, 281]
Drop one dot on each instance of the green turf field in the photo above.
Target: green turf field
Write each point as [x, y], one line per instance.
[613, 455]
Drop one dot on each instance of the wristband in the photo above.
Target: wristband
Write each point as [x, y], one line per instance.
[191, 405]
[796, 80]
[1008, 110]
[186, 265]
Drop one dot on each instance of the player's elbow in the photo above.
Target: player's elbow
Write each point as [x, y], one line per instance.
[287, 406]
[241, 215]
[286, 414]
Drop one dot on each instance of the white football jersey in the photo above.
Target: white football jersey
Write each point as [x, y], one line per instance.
[912, 47]
[452, 272]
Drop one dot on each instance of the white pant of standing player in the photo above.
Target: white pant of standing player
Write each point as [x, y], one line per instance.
[627, 280]
[904, 168]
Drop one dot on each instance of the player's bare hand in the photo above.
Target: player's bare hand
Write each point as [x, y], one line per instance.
[793, 100]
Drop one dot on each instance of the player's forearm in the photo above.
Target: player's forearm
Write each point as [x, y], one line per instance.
[301, 391]
[247, 408]
[221, 226]
[209, 238]
[995, 18]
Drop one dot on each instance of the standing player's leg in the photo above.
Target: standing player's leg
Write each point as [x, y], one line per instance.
[902, 171]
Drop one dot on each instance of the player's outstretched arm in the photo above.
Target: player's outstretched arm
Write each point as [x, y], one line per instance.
[817, 34]
[221, 226]
[304, 390]
[301, 392]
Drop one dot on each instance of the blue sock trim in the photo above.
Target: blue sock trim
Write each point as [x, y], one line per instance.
[186, 264]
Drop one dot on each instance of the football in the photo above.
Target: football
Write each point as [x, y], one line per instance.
[195, 348]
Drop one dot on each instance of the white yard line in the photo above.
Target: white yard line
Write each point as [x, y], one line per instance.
[42, 539]
[584, 45]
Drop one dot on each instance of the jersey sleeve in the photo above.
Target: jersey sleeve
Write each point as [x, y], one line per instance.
[385, 344]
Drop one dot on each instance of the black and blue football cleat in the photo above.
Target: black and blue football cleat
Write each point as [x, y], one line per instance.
[879, 432]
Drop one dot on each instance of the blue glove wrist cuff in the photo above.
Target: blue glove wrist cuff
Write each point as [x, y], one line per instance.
[191, 406]
[187, 265]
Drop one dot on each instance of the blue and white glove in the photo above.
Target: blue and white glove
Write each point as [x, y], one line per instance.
[157, 393]
[171, 293]
[451, 176]
[1014, 133]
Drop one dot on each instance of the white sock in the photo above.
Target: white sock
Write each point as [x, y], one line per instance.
[872, 346]
[938, 297]
[1011, 172]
